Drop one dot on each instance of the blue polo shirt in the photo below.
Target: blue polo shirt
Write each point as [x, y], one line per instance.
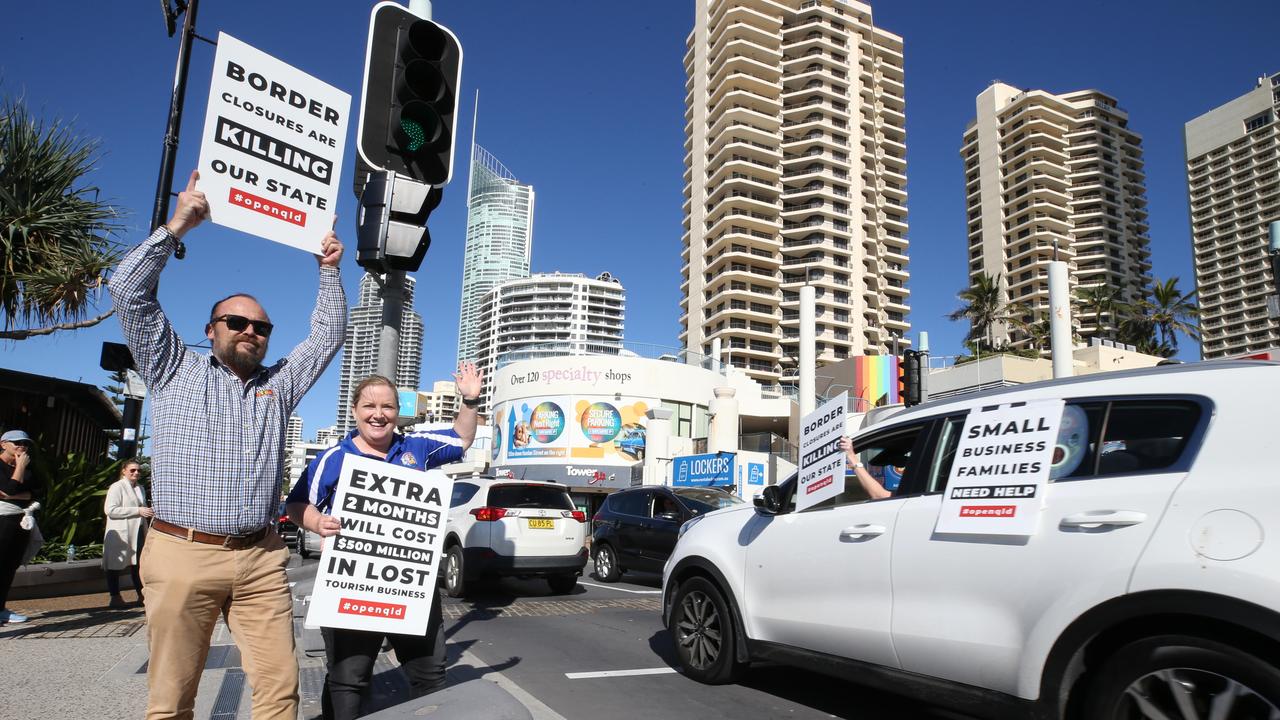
[420, 450]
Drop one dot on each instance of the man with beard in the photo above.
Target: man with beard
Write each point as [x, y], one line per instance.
[218, 428]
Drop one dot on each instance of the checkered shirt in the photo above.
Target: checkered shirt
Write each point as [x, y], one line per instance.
[217, 459]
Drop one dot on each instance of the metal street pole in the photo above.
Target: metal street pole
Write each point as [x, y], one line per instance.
[169, 155]
[391, 291]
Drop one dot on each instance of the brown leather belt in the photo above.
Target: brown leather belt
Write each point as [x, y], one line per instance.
[231, 542]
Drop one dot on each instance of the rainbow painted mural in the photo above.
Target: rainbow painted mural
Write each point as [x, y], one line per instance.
[875, 380]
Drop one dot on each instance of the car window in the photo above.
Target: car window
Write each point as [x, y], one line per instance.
[1076, 448]
[663, 503]
[529, 496]
[948, 441]
[887, 457]
[630, 503]
[702, 500]
[1142, 436]
[462, 493]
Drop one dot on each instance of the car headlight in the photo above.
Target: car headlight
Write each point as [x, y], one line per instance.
[688, 524]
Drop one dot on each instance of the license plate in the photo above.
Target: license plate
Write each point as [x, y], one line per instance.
[542, 524]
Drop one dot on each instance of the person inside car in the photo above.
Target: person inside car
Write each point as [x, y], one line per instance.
[873, 488]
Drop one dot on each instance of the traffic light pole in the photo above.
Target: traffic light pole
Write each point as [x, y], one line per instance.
[392, 293]
[169, 155]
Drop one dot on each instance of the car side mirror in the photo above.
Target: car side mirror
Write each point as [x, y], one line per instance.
[769, 501]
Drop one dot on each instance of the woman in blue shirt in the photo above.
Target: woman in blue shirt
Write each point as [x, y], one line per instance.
[351, 653]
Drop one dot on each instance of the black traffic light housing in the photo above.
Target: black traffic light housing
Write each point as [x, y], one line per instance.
[408, 107]
[910, 382]
[391, 232]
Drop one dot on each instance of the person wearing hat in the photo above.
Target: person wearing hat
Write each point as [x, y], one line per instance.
[15, 496]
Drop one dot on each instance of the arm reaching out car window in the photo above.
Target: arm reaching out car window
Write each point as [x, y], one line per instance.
[874, 489]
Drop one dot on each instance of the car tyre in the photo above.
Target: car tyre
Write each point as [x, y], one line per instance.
[455, 579]
[1163, 676]
[704, 633]
[302, 544]
[607, 568]
[562, 584]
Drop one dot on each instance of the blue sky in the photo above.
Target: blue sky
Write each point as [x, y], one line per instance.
[585, 100]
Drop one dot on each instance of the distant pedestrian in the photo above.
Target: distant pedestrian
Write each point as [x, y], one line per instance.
[351, 653]
[127, 521]
[218, 423]
[15, 496]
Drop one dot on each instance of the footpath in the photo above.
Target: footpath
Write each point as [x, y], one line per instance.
[75, 658]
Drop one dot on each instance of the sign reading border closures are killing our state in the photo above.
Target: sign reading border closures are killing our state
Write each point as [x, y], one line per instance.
[272, 149]
[822, 463]
[1001, 469]
[380, 574]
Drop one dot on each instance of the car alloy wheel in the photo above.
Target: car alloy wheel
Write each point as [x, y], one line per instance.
[607, 564]
[454, 580]
[704, 633]
[1184, 677]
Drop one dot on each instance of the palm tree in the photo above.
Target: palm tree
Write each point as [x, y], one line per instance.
[1173, 312]
[1102, 300]
[983, 306]
[55, 233]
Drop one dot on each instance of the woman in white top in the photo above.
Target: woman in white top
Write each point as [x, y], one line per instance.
[127, 515]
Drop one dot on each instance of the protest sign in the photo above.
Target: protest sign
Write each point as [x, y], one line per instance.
[272, 150]
[1000, 470]
[379, 574]
[821, 461]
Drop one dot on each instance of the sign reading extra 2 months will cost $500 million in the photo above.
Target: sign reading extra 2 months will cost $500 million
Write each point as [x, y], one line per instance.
[272, 149]
[1001, 469]
[379, 574]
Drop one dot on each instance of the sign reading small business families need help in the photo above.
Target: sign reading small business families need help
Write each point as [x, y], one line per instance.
[1001, 469]
[821, 461]
[379, 573]
[272, 149]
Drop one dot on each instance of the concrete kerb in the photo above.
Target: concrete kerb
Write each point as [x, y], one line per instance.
[470, 699]
[57, 579]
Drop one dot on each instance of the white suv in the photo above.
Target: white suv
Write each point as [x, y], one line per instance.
[1148, 590]
[521, 528]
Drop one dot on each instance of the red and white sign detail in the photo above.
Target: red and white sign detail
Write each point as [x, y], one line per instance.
[271, 155]
[1001, 469]
[821, 461]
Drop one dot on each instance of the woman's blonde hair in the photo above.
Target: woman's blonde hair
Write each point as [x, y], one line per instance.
[372, 381]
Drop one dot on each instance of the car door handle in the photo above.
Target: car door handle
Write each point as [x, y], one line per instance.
[1098, 518]
[856, 532]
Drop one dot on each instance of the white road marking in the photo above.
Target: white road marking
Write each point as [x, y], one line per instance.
[620, 673]
[536, 707]
[610, 587]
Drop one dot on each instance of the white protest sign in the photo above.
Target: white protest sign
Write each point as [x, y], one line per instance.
[379, 574]
[821, 461]
[272, 149]
[1001, 469]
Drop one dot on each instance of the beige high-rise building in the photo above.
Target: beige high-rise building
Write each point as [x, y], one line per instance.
[440, 404]
[1055, 175]
[795, 173]
[1233, 159]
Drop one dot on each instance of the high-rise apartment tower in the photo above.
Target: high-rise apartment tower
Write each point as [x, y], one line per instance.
[795, 173]
[499, 239]
[1055, 177]
[1233, 157]
[360, 350]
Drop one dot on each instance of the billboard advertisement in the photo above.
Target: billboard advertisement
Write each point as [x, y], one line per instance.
[555, 428]
[703, 470]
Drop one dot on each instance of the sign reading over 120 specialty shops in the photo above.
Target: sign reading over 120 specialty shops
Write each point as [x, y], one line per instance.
[272, 149]
[379, 574]
[821, 461]
[1001, 469]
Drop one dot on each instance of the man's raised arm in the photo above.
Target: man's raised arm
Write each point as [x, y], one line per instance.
[157, 349]
[308, 360]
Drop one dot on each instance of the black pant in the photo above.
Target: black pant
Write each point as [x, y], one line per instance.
[351, 654]
[113, 576]
[13, 545]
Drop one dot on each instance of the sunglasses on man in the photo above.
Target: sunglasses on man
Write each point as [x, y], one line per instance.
[238, 323]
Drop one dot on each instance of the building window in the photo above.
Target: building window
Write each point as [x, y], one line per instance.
[1257, 121]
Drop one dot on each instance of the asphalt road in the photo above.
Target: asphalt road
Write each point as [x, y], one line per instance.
[601, 651]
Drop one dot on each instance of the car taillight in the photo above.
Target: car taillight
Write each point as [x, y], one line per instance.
[489, 514]
[596, 518]
[284, 518]
[575, 514]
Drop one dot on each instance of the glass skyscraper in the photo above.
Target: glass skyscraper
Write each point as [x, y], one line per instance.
[499, 240]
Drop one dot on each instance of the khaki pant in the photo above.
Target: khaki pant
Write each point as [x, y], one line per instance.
[188, 585]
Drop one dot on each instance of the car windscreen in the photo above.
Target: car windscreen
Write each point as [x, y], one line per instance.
[529, 496]
[700, 501]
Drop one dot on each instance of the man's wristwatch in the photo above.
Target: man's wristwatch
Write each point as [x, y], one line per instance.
[471, 402]
[859, 465]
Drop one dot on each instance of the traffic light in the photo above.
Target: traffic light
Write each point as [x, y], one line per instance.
[910, 382]
[391, 231]
[408, 107]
